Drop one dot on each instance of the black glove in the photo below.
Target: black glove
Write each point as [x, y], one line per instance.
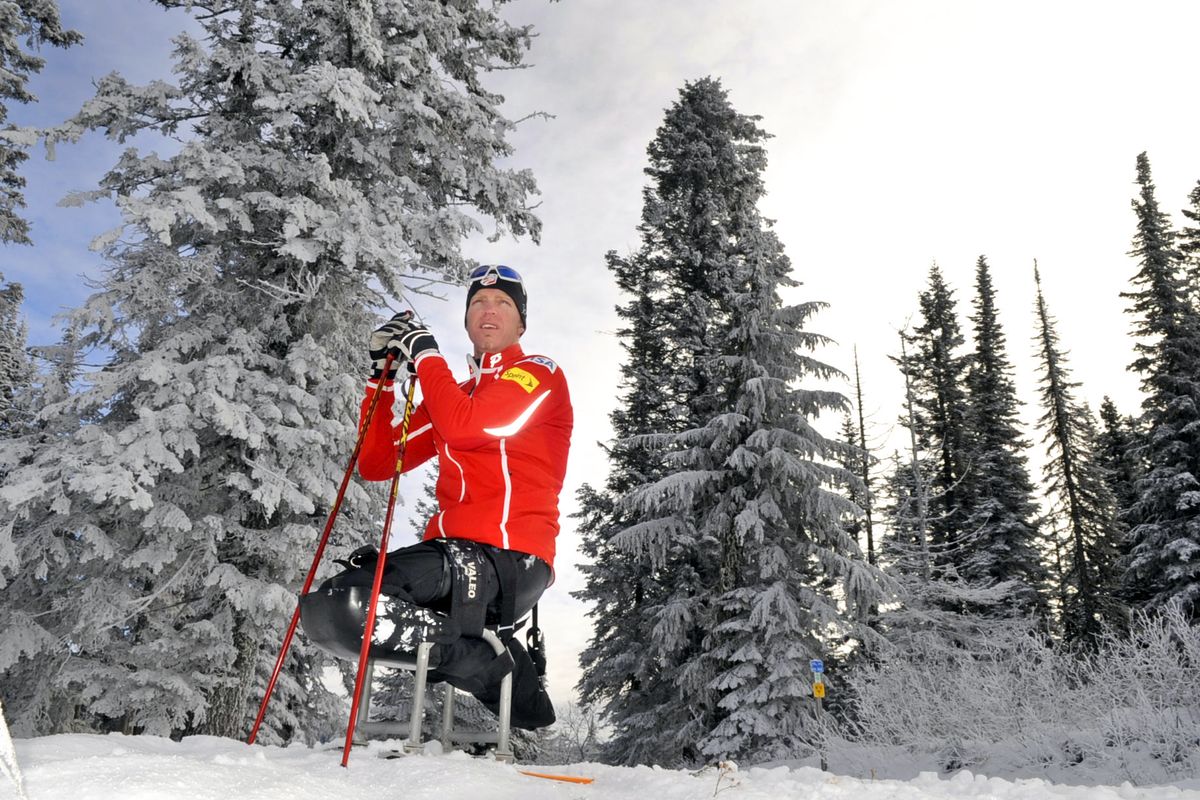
[413, 342]
[386, 338]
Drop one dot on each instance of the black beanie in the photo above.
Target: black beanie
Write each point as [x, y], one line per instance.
[494, 279]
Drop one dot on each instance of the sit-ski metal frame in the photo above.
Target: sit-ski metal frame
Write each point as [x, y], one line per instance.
[419, 666]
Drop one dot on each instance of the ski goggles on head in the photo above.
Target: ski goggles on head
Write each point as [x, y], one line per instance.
[490, 273]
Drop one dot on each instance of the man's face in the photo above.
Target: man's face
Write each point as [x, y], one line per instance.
[493, 322]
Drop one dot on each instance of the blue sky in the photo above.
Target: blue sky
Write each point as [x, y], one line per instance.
[131, 37]
[904, 133]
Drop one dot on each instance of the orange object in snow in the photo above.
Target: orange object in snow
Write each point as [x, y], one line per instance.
[564, 778]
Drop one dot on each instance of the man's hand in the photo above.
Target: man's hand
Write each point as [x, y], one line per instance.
[385, 338]
[414, 341]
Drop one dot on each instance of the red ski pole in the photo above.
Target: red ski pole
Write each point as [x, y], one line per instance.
[308, 581]
[369, 627]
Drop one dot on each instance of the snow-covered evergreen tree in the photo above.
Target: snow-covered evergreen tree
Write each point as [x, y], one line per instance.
[25, 25]
[858, 460]
[1189, 245]
[325, 150]
[907, 542]
[743, 531]
[939, 373]
[852, 459]
[16, 369]
[622, 588]
[1118, 444]
[1083, 515]
[932, 607]
[619, 674]
[1164, 559]
[938, 545]
[963, 539]
[625, 590]
[997, 491]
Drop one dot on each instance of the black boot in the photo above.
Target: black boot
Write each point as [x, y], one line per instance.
[468, 664]
[531, 706]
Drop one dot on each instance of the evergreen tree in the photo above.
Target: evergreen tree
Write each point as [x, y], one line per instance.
[852, 459]
[949, 562]
[997, 491]
[1189, 245]
[625, 589]
[25, 25]
[859, 464]
[16, 369]
[26, 682]
[621, 587]
[1117, 446]
[743, 529]
[328, 148]
[1164, 560]
[931, 606]
[907, 543]
[628, 681]
[939, 373]
[1084, 509]
[62, 362]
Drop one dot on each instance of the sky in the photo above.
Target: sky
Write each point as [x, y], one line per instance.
[904, 134]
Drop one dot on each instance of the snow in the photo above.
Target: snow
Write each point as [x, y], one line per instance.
[93, 767]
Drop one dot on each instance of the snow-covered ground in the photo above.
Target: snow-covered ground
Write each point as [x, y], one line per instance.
[88, 767]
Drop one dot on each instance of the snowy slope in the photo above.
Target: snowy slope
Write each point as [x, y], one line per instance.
[85, 767]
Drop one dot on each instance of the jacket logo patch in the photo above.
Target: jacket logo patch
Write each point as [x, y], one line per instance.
[545, 362]
[520, 377]
[472, 580]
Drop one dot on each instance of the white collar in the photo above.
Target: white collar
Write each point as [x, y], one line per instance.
[478, 370]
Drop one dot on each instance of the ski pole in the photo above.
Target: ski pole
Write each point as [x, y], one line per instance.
[312, 571]
[369, 626]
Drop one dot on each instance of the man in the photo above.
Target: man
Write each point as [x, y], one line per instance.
[501, 439]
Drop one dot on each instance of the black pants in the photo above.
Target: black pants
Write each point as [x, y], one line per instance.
[423, 574]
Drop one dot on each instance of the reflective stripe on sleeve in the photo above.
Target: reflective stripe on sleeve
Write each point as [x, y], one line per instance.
[513, 427]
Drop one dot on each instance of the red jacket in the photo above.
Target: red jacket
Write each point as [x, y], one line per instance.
[501, 439]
